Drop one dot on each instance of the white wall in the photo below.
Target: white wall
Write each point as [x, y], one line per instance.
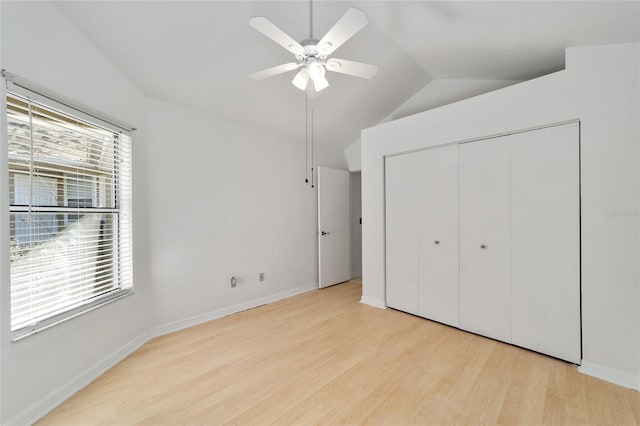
[352, 157]
[41, 45]
[435, 93]
[443, 91]
[226, 201]
[600, 87]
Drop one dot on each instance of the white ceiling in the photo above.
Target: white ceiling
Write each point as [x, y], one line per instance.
[198, 54]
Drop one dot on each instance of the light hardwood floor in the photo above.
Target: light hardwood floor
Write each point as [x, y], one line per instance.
[323, 358]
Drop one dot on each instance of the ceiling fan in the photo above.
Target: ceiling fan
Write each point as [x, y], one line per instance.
[312, 55]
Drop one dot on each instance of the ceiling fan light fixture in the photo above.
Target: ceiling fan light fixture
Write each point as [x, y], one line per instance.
[316, 70]
[301, 79]
[320, 83]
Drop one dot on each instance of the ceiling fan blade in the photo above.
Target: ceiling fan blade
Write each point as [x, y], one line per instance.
[269, 72]
[267, 28]
[357, 69]
[351, 22]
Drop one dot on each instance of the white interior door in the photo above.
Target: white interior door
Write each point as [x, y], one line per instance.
[438, 234]
[485, 242]
[334, 234]
[545, 210]
[401, 203]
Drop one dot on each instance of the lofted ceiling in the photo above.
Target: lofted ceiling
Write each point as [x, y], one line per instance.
[198, 54]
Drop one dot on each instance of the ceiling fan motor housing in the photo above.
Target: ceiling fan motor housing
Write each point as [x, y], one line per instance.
[312, 51]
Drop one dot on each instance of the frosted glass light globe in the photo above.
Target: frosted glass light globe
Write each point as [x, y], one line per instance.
[316, 70]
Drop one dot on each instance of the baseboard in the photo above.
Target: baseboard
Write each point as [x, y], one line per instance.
[39, 409]
[373, 302]
[219, 313]
[356, 274]
[610, 375]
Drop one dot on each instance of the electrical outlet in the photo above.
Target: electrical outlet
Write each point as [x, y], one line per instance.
[234, 282]
[261, 276]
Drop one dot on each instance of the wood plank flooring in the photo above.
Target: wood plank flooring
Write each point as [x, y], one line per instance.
[324, 358]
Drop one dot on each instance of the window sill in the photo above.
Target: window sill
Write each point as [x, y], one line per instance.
[32, 329]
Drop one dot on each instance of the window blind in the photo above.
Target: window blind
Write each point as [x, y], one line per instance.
[70, 213]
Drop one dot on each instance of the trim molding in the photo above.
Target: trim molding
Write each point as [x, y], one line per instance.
[371, 301]
[222, 312]
[618, 377]
[42, 407]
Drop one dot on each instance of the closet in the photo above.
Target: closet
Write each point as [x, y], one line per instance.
[485, 236]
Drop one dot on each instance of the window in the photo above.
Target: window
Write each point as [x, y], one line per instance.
[69, 213]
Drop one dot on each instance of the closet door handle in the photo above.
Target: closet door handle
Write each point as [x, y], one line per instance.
[483, 246]
[436, 242]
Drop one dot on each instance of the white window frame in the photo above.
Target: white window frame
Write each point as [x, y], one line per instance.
[19, 86]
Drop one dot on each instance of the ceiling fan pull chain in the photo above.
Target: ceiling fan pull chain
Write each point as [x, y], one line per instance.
[312, 185]
[306, 138]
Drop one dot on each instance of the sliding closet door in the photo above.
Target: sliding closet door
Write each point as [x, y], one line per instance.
[546, 241]
[438, 234]
[485, 243]
[401, 200]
